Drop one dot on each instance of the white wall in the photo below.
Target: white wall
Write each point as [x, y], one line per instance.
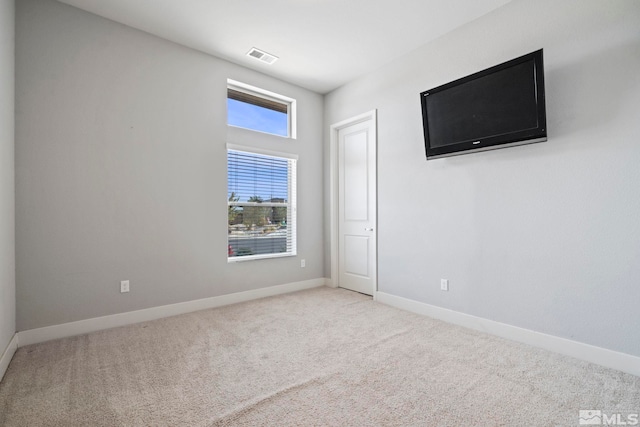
[121, 170]
[7, 206]
[545, 236]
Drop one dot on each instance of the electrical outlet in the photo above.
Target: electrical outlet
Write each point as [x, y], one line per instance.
[444, 284]
[303, 263]
[124, 286]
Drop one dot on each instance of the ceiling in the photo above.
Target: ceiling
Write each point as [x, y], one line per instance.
[322, 44]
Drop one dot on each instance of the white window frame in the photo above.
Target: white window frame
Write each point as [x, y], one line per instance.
[291, 206]
[272, 96]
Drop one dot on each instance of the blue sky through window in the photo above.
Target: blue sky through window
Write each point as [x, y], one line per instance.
[249, 116]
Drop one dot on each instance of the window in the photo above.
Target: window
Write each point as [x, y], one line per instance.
[260, 110]
[262, 204]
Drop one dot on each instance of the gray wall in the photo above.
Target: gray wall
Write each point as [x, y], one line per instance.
[545, 236]
[7, 206]
[121, 170]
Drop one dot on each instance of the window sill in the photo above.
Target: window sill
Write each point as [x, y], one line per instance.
[237, 259]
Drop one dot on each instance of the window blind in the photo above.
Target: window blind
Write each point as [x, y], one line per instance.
[261, 205]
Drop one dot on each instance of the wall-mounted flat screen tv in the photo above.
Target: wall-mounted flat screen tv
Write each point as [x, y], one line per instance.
[498, 107]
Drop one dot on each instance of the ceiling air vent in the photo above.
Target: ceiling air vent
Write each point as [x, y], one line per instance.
[262, 56]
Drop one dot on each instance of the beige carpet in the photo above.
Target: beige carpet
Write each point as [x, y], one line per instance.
[323, 357]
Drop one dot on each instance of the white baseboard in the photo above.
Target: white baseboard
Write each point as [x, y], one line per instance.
[8, 353]
[38, 335]
[598, 355]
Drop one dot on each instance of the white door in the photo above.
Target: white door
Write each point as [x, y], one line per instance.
[357, 247]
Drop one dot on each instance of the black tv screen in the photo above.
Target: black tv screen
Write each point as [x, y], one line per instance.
[494, 108]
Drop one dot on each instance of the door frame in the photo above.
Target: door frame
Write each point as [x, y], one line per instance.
[334, 192]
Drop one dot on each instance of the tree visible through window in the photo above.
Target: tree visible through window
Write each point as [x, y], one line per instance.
[261, 205]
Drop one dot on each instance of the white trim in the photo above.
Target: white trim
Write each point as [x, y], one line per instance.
[33, 336]
[598, 355]
[247, 258]
[369, 115]
[333, 187]
[292, 220]
[8, 355]
[261, 151]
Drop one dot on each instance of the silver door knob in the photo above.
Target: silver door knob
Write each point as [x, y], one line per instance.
[368, 229]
